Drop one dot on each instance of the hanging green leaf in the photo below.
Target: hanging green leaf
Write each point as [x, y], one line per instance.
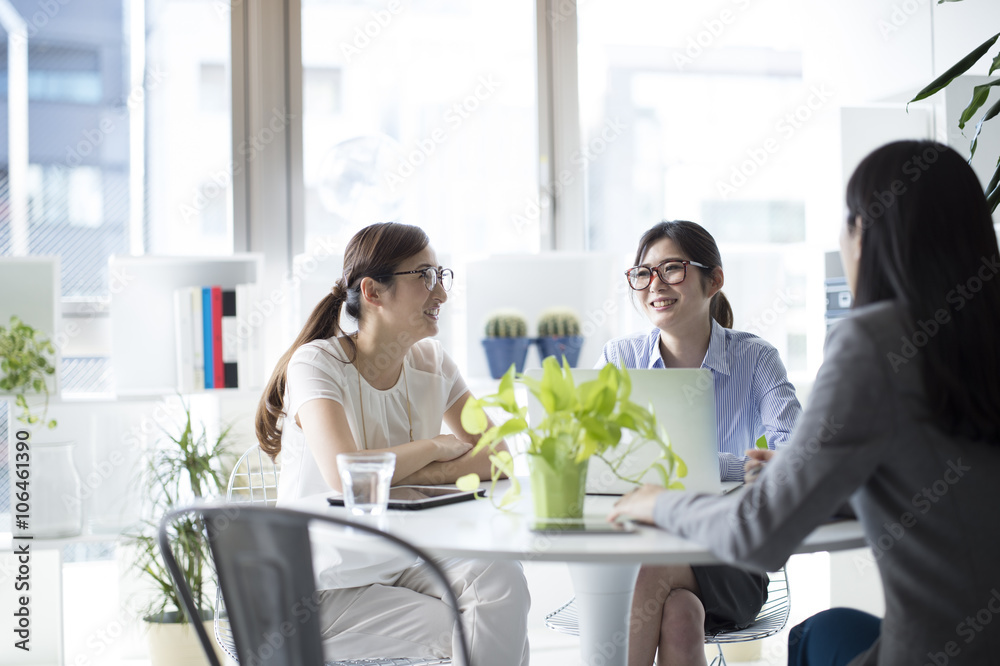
[955, 70]
[996, 64]
[993, 198]
[473, 417]
[989, 115]
[467, 482]
[979, 96]
[995, 180]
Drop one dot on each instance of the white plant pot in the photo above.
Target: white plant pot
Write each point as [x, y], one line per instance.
[176, 644]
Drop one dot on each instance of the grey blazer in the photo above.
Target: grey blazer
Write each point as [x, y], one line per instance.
[927, 501]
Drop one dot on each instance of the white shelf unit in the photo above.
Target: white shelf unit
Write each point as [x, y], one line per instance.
[143, 337]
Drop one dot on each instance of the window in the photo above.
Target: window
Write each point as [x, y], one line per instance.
[685, 116]
[122, 157]
[423, 113]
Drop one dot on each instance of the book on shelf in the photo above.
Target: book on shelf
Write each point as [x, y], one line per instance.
[217, 344]
[206, 330]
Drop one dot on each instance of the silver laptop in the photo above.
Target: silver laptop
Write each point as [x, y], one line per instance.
[683, 401]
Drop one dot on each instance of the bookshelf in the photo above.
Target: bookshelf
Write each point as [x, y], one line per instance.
[143, 331]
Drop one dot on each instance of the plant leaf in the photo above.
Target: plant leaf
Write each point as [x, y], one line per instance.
[474, 419]
[955, 70]
[468, 482]
[980, 94]
[994, 181]
[548, 450]
[996, 64]
[989, 115]
[511, 427]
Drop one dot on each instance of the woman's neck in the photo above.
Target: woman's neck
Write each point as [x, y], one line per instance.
[685, 348]
[379, 356]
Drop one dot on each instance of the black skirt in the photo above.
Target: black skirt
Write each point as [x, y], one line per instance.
[732, 597]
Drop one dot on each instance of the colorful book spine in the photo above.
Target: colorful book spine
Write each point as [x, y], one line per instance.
[230, 340]
[206, 309]
[198, 342]
[218, 365]
[184, 334]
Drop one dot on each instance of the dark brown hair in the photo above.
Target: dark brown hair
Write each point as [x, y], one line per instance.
[926, 237]
[373, 252]
[698, 244]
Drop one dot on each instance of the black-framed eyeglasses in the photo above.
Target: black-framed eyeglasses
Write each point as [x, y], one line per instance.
[670, 271]
[431, 277]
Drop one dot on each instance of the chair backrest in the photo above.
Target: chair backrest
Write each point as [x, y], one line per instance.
[263, 559]
[254, 479]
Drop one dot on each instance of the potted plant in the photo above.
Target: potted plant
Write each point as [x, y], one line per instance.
[980, 94]
[581, 420]
[559, 335]
[180, 469]
[506, 342]
[26, 364]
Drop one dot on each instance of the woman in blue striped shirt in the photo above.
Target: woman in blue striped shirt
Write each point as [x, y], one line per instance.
[674, 606]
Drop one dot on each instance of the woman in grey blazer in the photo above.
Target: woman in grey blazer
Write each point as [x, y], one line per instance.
[903, 423]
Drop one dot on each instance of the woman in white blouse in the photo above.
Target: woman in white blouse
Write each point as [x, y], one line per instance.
[388, 386]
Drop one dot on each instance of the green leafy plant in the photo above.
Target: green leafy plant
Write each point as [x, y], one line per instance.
[979, 96]
[581, 420]
[506, 324]
[26, 363]
[181, 468]
[558, 322]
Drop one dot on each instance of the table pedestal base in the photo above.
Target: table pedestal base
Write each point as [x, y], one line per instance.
[603, 601]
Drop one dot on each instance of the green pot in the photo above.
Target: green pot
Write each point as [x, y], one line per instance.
[559, 492]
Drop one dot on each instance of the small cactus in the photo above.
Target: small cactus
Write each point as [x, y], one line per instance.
[558, 322]
[506, 324]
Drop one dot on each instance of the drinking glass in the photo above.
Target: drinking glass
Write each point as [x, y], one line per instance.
[365, 477]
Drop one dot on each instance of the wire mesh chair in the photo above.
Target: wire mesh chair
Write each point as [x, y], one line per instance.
[271, 545]
[770, 619]
[254, 481]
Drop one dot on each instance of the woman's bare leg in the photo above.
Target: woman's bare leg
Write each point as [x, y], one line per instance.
[664, 594]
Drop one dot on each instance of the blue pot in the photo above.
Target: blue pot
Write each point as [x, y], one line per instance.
[501, 352]
[568, 346]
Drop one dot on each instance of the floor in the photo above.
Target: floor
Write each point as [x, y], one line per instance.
[101, 628]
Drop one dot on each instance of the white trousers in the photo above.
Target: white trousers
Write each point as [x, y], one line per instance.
[409, 619]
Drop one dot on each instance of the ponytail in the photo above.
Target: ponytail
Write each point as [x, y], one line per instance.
[721, 310]
[323, 323]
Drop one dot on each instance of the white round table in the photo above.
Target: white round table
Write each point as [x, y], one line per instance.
[603, 567]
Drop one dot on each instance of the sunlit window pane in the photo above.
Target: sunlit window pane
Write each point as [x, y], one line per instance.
[700, 96]
[422, 113]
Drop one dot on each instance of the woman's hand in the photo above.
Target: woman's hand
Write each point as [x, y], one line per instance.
[755, 465]
[638, 504]
[450, 447]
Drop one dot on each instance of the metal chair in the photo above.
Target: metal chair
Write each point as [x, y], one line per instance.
[271, 548]
[770, 619]
[254, 481]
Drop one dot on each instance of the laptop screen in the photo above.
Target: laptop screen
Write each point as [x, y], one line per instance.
[683, 401]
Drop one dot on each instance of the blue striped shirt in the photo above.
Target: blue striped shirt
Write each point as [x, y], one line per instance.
[753, 396]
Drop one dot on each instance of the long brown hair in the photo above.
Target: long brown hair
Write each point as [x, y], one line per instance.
[373, 252]
[697, 243]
